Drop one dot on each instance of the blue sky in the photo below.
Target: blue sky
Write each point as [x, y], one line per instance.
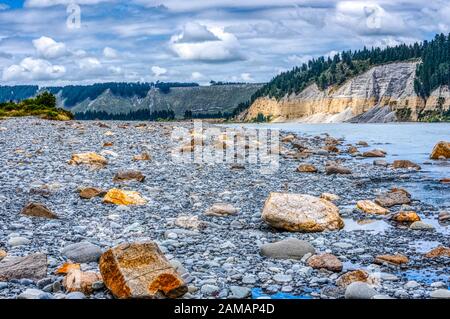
[196, 40]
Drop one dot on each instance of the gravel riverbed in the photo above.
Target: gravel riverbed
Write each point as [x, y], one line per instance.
[222, 259]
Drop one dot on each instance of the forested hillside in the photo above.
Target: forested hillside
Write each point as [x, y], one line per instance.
[433, 72]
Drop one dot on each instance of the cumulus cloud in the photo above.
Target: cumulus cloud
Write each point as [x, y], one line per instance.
[48, 48]
[89, 64]
[196, 76]
[110, 53]
[33, 69]
[200, 43]
[158, 71]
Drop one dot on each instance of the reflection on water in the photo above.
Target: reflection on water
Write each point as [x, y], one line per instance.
[426, 276]
[424, 246]
[374, 226]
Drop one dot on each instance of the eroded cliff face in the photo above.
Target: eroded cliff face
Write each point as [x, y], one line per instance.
[381, 94]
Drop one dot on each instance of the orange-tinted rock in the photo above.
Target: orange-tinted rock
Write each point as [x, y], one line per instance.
[38, 210]
[374, 153]
[331, 149]
[121, 197]
[307, 168]
[140, 270]
[370, 207]
[440, 251]
[66, 268]
[325, 261]
[406, 217]
[142, 157]
[330, 197]
[391, 259]
[352, 276]
[442, 149]
[91, 192]
[122, 176]
[91, 158]
[77, 280]
[108, 144]
[337, 169]
[288, 138]
[445, 180]
[405, 164]
[2, 254]
[352, 150]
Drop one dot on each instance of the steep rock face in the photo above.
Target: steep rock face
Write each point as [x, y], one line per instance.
[378, 94]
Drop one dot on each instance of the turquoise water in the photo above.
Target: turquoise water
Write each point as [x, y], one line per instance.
[258, 293]
[406, 141]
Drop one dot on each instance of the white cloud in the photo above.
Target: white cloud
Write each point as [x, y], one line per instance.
[89, 64]
[247, 77]
[33, 69]
[110, 53]
[158, 71]
[195, 32]
[48, 48]
[197, 76]
[224, 47]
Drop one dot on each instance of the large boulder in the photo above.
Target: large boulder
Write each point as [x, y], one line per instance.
[441, 150]
[290, 248]
[396, 196]
[92, 159]
[140, 270]
[38, 210]
[29, 267]
[122, 197]
[302, 213]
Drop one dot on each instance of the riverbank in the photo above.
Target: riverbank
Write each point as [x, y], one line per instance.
[221, 257]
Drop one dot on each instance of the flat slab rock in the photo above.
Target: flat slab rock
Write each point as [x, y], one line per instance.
[290, 248]
[140, 270]
[29, 267]
[302, 213]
